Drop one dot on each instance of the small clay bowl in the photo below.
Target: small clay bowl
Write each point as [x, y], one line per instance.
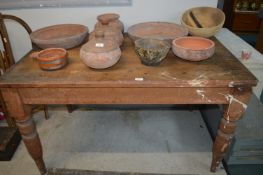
[151, 51]
[52, 58]
[193, 48]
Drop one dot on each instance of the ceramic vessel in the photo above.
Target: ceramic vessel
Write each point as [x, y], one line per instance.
[112, 19]
[245, 5]
[193, 48]
[151, 51]
[158, 30]
[60, 36]
[100, 52]
[210, 19]
[238, 5]
[253, 6]
[109, 33]
[52, 58]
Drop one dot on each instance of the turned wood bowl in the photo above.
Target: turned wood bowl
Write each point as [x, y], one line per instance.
[203, 21]
[60, 36]
[193, 48]
[51, 58]
[158, 30]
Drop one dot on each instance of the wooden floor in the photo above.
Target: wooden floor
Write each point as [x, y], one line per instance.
[56, 171]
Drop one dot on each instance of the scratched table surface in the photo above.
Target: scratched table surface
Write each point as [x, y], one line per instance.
[222, 79]
[221, 70]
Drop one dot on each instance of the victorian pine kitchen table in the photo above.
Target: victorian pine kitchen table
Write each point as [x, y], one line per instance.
[222, 79]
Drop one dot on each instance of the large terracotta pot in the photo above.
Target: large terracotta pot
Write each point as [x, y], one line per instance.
[100, 52]
[109, 33]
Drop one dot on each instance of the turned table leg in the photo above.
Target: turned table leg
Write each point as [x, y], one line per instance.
[232, 113]
[26, 126]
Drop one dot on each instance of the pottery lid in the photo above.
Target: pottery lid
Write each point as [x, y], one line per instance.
[108, 17]
[100, 44]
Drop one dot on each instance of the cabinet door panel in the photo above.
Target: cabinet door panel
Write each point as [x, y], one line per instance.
[246, 22]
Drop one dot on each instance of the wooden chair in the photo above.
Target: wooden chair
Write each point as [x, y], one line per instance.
[7, 58]
[259, 44]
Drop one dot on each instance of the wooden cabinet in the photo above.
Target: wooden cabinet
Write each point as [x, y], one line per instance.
[246, 22]
[242, 15]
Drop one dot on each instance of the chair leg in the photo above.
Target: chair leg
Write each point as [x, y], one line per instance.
[46, 112]
[70, 108]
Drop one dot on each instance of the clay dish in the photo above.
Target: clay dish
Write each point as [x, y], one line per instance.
[203, 21]
[193, 48]
[60, 36]
[151, 51]
[52, 58]
[159, 30]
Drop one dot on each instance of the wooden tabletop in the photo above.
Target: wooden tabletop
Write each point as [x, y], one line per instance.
[221, 70]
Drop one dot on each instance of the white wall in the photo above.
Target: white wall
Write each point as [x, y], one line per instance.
[140, 11]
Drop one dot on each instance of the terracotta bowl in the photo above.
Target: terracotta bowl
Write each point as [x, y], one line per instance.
[151, 51]
[203, 21]
[52, 58]
[60, 36]
[159, 30]
[193, 48]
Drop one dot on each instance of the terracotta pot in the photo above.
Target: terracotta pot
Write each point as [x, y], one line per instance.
[193, 48]
[100, 52]
[109, 33]
[51, 59]
[112, 19]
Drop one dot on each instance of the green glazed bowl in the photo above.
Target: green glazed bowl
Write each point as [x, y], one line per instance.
[151, 51]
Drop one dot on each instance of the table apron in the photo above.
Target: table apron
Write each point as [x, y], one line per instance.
[124, 95]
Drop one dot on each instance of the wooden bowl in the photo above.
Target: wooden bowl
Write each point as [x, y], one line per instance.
[60, 36]
[52, 58]
[158, 30]
[193, 48]
[203, 21]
